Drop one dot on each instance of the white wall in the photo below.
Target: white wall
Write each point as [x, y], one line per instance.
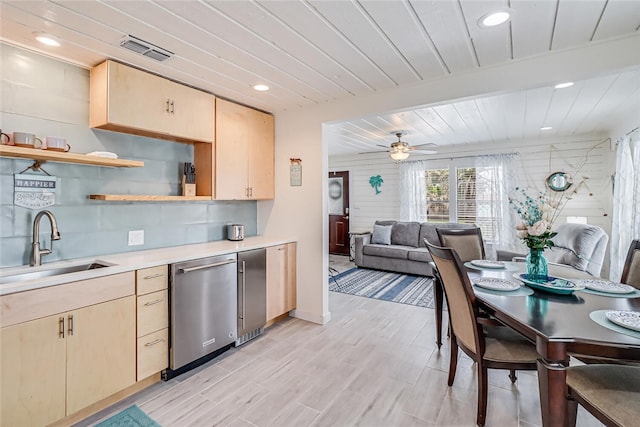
[366, 206]
[303, 210]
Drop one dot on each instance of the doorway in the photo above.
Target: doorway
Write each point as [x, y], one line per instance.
[339, 213]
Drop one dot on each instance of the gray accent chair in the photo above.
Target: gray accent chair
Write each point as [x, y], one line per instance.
[581, 246]
[407, 252]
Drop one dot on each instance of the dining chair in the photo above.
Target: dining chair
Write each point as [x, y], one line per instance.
[490, 344]
[631, 270]
[467, 242]
[609, 392]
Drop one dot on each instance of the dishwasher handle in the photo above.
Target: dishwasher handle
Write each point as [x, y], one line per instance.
[202, 267]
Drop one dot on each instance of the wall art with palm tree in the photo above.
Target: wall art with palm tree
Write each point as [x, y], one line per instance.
[376, 181]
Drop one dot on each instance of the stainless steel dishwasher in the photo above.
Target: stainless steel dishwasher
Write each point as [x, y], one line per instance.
[203, 308]
[252, 294]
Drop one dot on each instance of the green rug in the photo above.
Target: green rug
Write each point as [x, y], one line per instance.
[130, 417]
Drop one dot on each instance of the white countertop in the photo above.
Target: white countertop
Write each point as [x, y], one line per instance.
[129, 261]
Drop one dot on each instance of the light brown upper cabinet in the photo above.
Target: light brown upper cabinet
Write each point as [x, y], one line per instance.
[244, 153]
[126, 99]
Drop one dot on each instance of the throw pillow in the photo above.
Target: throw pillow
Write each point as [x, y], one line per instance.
[381, 234]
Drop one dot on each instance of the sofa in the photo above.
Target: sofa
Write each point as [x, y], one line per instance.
[406, 252]
[581, 246]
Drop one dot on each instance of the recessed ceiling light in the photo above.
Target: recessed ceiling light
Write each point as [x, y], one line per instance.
[46, 39]
[563, 85]
[494, 18]
[261, 88]
[546, 128]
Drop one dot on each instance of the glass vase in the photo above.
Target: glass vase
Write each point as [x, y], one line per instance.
[537, 267]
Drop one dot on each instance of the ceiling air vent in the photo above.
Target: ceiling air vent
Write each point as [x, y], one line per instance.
[145, 48]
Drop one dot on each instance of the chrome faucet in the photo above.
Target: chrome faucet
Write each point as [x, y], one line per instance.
[36, 252]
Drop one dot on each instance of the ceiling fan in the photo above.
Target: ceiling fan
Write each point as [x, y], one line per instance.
[400, 150]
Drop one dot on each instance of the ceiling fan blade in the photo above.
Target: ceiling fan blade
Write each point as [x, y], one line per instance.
[424, 151]
[383, 146]
[429, 144]
[374, 152]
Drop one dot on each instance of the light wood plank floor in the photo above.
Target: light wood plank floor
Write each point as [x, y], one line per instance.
[375, 364]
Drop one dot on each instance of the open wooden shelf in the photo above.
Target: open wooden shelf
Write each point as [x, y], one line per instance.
[147, 198]
[61, 157]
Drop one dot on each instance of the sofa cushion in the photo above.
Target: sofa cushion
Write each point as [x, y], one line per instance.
[386, 222]
[405, 234]
[420, 254]
[398, 252]
[381, 234]
[428, 231]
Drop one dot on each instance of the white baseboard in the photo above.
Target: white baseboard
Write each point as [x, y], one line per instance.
[311, 317]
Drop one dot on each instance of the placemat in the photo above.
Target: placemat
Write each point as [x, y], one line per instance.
[475, 267]
[634, 294]
[523, 291]
[599, 317]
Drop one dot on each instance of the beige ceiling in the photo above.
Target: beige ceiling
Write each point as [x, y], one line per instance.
[313, 52]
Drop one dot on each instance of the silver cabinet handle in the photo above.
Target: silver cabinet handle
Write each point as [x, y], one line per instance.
[281, 249]
[61, 327]
[202, 267]
[70, 331]
[173, 109]
[244, 284]
[158, 301]
[167, 105]
[154, 342]
[153, 276]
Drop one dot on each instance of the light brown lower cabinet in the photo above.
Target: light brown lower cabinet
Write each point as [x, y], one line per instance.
[281, 280]
[57, 365]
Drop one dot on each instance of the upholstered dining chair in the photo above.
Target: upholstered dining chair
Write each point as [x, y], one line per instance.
[609, 392]
[631, 270]
[490, 344]
[467, 242]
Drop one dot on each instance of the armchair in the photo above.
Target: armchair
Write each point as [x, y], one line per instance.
[580, 246]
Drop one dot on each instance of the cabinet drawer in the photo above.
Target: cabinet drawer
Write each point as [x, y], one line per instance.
[153, 353]
[153, 312]
[152, 279]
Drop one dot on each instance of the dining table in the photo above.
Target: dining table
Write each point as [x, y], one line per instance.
[560, 326]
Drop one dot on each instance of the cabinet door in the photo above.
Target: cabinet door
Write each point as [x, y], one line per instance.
[261, 156]
[291, 277]
[32, 373]
[137, 99]
[192, 113]
[276, 280]
[101, 352]
[232, 139]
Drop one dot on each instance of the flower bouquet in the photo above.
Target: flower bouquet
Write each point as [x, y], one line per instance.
[537, 215]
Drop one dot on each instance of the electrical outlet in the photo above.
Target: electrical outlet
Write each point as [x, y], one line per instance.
[136, 237]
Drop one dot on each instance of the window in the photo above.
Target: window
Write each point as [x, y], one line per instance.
[437, 195]
[472, 202]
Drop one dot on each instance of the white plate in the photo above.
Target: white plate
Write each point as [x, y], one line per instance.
[626, 319]
[496, 284]
[104, 154]
[485, 263]
[602, 285]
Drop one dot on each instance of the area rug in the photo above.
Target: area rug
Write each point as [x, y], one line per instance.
[386, 286]
[130, 417]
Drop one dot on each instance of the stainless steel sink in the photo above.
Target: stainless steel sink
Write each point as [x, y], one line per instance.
[32, 275]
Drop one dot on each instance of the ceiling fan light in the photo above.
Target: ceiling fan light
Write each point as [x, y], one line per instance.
[399, 155]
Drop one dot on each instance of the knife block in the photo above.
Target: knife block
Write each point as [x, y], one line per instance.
[188, 189]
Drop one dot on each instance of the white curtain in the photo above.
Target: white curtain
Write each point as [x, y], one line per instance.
[496, 177]
[626, 201]
[413, 191]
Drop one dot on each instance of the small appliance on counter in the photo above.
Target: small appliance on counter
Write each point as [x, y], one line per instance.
[235, 232]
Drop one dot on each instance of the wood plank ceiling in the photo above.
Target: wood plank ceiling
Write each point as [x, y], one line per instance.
[313, 51]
